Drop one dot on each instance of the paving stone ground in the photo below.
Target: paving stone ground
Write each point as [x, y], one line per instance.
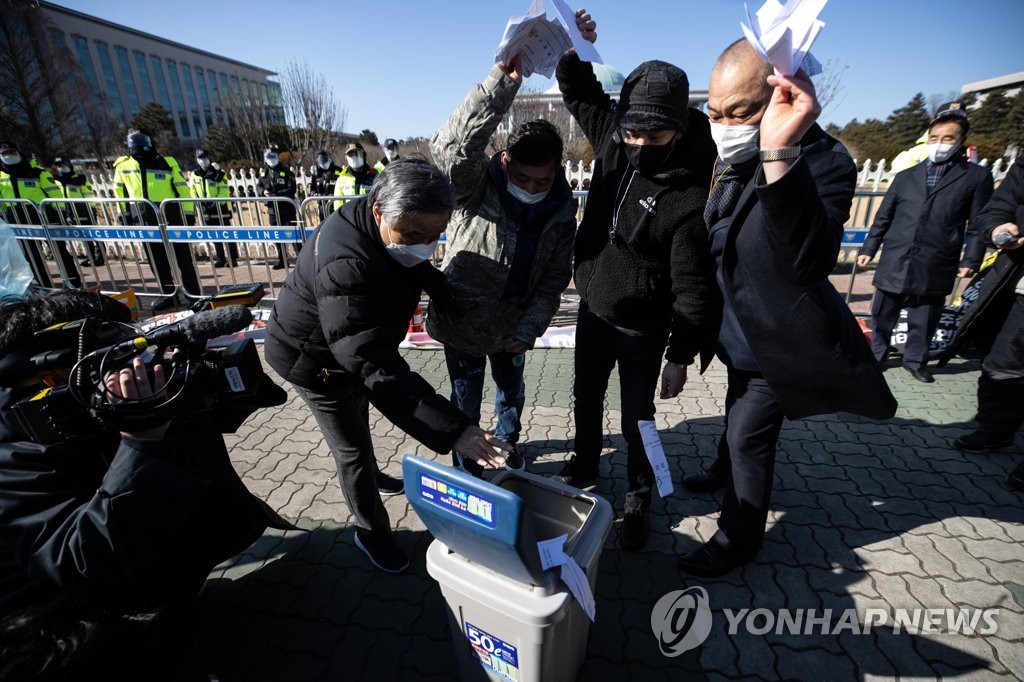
[865, 515]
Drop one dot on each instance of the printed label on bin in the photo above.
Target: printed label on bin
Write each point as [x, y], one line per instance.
[462, 503]
[494, 654]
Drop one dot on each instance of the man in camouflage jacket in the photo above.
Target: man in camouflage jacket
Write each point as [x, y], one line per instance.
[509, 255]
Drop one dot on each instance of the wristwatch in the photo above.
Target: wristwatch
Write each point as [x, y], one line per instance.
[780, 154]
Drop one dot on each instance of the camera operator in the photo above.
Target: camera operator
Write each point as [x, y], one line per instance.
[110, 523]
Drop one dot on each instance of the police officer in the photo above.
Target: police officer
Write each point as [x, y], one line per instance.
[206, 180]
[22, 178]
[77, 186]
[144, 174]
[390, 154]
[325, 177]
[277, 180]
[357, 176]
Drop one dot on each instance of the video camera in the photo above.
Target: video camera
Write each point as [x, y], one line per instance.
[229, 380]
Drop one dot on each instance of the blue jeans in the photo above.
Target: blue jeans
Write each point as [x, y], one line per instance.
[466, 372]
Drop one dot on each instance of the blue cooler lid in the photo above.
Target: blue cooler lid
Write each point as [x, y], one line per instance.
[479, 520]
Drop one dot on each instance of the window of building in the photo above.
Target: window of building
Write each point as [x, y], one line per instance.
[147, 85]
[113, 92]
[204, 97]
[57, 40]
[85, 59]
[179, 99]
[190, 94]
[127, 79]
[161, 84]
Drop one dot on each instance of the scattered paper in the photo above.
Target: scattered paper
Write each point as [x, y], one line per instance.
[552, 554]
[783, 34]
[541, 41]
[656, 456]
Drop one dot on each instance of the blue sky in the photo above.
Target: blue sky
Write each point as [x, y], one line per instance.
[401, 66]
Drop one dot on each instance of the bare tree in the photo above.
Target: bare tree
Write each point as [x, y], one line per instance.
[828, 85]
[314, 117]
[531, 105]
[37, 108]
[251, 133]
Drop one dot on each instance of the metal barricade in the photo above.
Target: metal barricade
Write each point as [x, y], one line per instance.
[251, 230]
[122, 228]
[315, 209]
[28, 222]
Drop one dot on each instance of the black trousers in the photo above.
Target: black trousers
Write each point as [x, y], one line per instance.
[283, 214]
[160, 262]
[753, 420]
[1001, 384]
[922, 317]
[599, 347]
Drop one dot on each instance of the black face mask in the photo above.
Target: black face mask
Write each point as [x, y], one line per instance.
[648, 158]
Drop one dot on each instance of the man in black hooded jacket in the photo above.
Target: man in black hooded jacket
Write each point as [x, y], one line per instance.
[643, 266]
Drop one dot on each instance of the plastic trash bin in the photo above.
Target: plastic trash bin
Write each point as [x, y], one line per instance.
[510, 620]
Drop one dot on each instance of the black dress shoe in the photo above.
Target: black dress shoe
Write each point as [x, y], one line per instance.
[575, 474]
[165, 304]
[708, 481]
[279, 265]
[1015, 479]
[708, 561]
[921, 374]
[219, 263]
[978, 442]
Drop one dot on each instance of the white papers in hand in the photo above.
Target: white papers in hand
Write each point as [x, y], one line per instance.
[551, 555]
[541, 41]
[656, 456]
[783, 34]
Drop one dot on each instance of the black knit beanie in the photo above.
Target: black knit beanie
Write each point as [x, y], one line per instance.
[655, 96]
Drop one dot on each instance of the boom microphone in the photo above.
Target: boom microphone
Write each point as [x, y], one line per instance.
[194, 330]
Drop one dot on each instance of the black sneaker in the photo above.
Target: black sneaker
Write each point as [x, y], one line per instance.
[166, 304]
[514, 460]
[575, 474]
[384, 552]
[389, 485]
[978, 442]
[716, 476]
[633, 531]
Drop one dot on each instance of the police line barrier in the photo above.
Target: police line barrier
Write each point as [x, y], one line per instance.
[114, 237]
[30, 224]
[245, 229]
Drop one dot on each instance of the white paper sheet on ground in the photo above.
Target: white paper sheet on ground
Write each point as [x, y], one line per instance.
[541, 41]
[552, 554]
[656, 456]
[783, 34]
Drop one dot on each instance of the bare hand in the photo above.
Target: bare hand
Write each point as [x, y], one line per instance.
[517, 347]
[133, 383]
[1009, 228]
[482, 447]
[672, 379]
[514, 69]
[586, 24]
[862, 262]
[266, 192]
[964, 272]
[792, 110]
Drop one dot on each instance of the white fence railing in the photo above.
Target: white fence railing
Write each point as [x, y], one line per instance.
[871, 176]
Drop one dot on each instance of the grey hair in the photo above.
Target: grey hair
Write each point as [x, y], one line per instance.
[411, 186]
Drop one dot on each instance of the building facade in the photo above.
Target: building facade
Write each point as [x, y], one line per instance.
[131, 69]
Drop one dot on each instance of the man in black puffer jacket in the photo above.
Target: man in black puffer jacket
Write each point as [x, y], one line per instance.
[336, 328]
[643, 266]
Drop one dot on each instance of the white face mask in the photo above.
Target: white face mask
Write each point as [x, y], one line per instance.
[63, 170]
[391, 154]
[938, 153]
[410, 254]
[270, 159]
[355, 162]
[323, 163]
[736, 144]
[524, 196]
[203, 163]
[10, 159]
